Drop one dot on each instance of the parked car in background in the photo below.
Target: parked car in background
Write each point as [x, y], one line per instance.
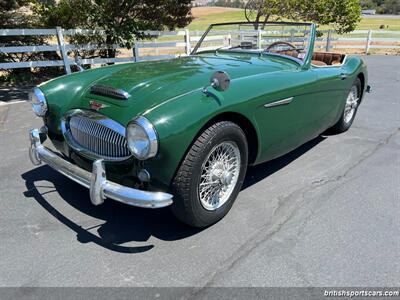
[368, 11]
[182, 132]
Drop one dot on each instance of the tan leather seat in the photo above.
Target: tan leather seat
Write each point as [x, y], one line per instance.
[320, 59]
[318, 63]
[328, 58]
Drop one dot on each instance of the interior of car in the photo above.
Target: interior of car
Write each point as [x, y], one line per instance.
[319, 59]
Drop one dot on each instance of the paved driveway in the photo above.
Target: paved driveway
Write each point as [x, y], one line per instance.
[326, 214]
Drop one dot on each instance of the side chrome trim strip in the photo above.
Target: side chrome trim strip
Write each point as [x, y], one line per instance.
[279, 102]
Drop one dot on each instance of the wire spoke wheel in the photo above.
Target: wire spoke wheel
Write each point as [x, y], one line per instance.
[211, 175]
[351, 104]
[219, 175]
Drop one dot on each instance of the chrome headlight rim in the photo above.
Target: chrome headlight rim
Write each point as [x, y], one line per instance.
[38, 102]
[151, 134]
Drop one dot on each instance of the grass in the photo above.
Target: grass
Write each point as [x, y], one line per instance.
[203, 21]
[368, 23]
[205, 16]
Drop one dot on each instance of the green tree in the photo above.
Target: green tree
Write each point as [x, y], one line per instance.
[391, 7]
[342, 15]
[121, 20]
[368, 4]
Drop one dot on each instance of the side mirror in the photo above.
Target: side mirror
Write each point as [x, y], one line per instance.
[220, 81]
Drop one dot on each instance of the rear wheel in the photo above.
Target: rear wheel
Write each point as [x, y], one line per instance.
[211, 175]
[350, 109]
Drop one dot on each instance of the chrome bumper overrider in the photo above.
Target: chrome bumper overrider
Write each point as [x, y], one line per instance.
[100, 187]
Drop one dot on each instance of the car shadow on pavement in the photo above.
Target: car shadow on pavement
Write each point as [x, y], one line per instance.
[259, 172]
[119, 223]
[123, 224]
[9, 94]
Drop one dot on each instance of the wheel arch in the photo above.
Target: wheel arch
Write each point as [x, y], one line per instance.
[244, 123]
[361, 76]
[241, 120]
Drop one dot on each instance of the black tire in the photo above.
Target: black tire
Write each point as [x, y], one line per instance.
[187, 206]
[342, 125]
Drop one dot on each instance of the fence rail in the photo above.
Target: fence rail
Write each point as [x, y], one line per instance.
[66, 49]
[362, 39]
[160, 42]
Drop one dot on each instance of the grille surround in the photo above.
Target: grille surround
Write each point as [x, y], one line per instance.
[95, 136]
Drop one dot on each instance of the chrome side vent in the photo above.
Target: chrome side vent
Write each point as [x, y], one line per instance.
[108, 91]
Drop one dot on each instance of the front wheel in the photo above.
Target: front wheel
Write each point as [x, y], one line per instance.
[350, 109]
[211, 175]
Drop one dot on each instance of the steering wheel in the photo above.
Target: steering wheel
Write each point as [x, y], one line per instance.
[281, 43]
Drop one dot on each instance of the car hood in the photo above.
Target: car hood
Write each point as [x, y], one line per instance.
[150, 83]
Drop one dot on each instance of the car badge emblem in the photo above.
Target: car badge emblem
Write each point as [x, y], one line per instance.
[97, 106]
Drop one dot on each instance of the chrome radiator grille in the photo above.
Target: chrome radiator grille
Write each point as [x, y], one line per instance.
[95, 139]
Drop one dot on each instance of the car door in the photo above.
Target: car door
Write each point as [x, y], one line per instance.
[331, 91]
[295, 111]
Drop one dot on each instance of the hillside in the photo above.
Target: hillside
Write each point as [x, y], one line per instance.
[204, 16]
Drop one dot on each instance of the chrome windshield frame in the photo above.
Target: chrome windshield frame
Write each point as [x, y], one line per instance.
[302, 63]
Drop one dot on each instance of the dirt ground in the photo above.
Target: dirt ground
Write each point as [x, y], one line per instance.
[199, 12]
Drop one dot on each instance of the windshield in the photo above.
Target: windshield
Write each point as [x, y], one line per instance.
[288, 39]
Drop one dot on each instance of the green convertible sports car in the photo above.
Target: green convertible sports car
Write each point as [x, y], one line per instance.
[182, 131]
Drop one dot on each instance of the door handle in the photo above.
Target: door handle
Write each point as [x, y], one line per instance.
[343, 76]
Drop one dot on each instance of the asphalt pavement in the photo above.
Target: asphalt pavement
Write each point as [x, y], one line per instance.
[326, 214]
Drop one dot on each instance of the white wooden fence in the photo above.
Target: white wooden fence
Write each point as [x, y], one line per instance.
[65, 49]
[360, 39]
[164, 42]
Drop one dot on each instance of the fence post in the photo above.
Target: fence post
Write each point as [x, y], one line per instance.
[64, 54]
[136, 51]
[292, 35]
[187, 41]
[258, 38]
[328, 41]
[369, 37]
[157, 48]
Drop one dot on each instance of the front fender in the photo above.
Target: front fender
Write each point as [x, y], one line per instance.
[178, 122]
[355, 66]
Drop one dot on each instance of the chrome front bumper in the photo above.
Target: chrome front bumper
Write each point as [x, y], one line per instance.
[96, 181]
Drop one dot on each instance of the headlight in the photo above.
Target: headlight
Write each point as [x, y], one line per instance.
[38, 102]
[142, 138]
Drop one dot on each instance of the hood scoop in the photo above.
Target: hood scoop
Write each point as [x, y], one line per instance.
[108, 91]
